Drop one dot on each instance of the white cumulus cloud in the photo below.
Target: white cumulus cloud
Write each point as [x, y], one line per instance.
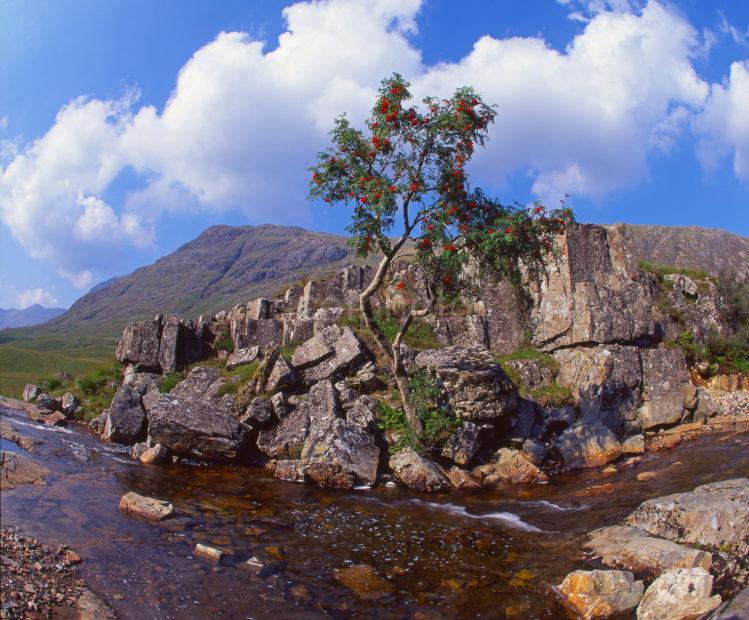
[32, 296]
[724, 123]
[245, 120]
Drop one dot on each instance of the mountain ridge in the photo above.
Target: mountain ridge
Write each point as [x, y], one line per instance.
[27, 317]
[225, 265]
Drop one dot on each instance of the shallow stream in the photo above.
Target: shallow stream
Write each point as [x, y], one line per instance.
[485, 554]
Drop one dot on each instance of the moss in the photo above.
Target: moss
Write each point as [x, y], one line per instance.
[287, 351]
[230, 387]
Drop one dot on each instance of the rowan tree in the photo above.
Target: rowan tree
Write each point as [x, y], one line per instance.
[404, 178]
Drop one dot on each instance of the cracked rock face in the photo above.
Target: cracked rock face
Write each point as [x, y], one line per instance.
[330, 354]
[474, 385]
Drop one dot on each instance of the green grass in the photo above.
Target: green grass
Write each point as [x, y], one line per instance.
[224, 342]
[25, 361]
[169, 382]
[660, 270]
[552, 395]
[529, 353]
[420, 335]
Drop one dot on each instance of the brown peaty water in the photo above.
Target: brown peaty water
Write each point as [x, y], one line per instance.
[483, 555]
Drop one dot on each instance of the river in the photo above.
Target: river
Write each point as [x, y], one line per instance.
[485, 554]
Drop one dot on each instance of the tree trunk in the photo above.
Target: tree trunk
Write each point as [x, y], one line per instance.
[401, 378]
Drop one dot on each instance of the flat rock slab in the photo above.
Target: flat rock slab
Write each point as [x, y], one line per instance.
[632, 549]
[17, 469]
[714, 515]
[144, 507]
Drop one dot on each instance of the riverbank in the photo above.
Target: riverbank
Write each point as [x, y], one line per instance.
[38, 580]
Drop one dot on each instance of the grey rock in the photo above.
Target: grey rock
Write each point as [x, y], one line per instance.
[260, 414]
[30, 392]
[45, 401]
[463, 444]
[201, 384]
[282, 377]
[534, 372]
[280, 404]
[664, 373]
[706, 406]
[737, 608]
[155, 455]
[286, 439]
[69, 404]
[330, 354]
[126, 421]
[535, 451]
[634, 445]
[714, 516]
[366, 380]
[462, 331]
[139, 345]
[631, 548]
[196, 428]
[679, 594]
[148, 386]
[474, 386]
[242, 357]
[587, 445]
[419, 473]
[605, 382]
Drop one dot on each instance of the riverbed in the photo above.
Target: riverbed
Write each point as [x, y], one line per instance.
[482, 554]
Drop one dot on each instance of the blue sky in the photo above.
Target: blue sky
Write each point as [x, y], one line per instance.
[128, 127]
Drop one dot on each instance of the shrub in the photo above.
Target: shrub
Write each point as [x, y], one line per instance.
[99, 380]
[49, 384]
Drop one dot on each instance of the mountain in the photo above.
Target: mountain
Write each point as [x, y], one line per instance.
[707, 249]
[33, 315]
[221, 267]
[226, 265]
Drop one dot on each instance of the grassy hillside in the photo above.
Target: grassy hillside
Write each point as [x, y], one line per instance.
[28, 358]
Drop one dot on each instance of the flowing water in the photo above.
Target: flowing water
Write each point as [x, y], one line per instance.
[486, 554]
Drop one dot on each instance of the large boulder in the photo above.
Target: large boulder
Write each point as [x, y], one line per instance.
[330, 354]
[664, 374]
[69, 404]
[419, 473]
[714, 516]
[605, 382]
[474, 386]
[514, 466]
[587, 445]
[631, 548]
[30, 392]
[260, 414]
[601, 593]
[126, 420]
[679, 594]
[337, 453]
[196, 428]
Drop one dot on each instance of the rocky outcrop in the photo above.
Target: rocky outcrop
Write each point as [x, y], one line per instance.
[463, 444]
[601, 593]
[474, 386]
[126, 420]
[286, 439]
[196, 428]
[419, 473]
[165, 344]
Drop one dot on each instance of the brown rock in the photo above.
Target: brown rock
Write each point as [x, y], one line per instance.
[461, 479]
[17, 469]
[364, 581]
[601, 593]
[419, 473]
[146, 508]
